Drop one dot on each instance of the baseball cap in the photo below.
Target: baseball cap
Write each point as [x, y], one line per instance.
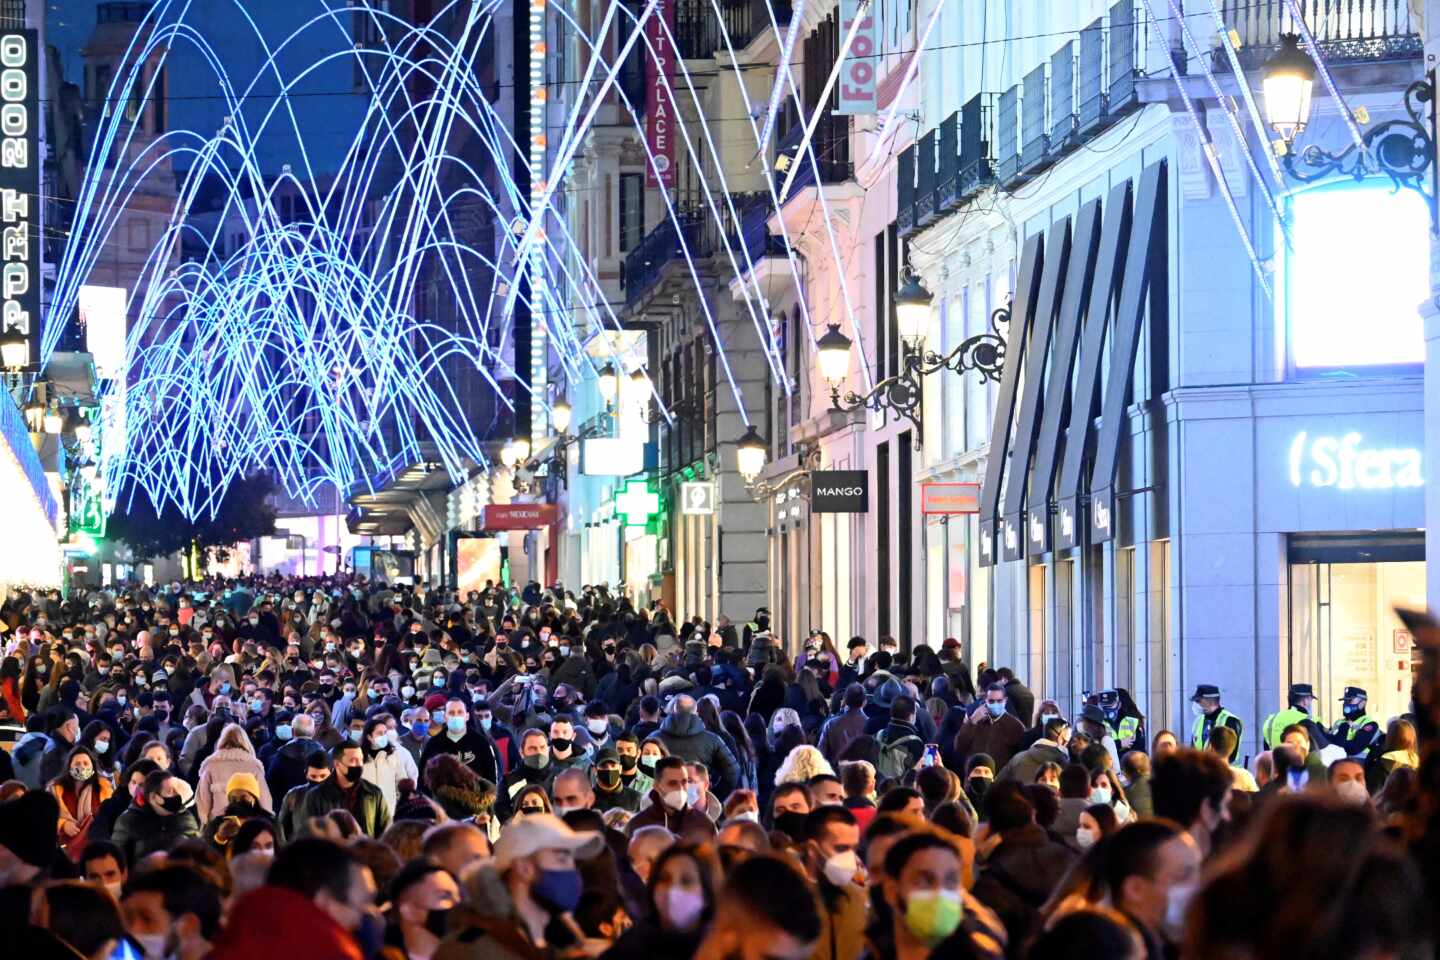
[542, 831]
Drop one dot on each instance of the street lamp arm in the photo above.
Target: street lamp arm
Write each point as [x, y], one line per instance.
[984, 353]
[1402, 149]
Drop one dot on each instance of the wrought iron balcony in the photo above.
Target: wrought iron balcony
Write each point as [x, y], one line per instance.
[1346, 30]
[704, 237]
[829, 145]
[697, 29]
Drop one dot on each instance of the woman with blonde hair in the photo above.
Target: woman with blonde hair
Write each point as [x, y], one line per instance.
[802, 763]
[233, 754]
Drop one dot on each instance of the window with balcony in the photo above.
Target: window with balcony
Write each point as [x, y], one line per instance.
[1333, 287]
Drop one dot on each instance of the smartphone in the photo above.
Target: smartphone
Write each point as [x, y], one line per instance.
[931, 756]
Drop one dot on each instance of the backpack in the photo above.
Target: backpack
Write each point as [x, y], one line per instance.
[895, 756]
[28, 757]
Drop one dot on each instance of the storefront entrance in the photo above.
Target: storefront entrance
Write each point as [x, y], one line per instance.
[1343, 628]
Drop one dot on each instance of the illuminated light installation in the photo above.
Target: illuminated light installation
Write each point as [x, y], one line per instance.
[298, 349]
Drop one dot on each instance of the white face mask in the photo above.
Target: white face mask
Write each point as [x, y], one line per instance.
[751, 815]
[1085, 837]
[1353, 792]
[1196, 709]
[152, 943]
[675, 799]
[1100, 795]
[598, 726]
[114, 889]
[840, 868]
[1177, 904]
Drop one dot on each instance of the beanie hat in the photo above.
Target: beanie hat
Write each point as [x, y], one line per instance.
[28, 826]
[245, 782]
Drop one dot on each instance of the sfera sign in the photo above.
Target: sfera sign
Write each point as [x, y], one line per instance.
[19, 183]
[839, 491]
[1345, 462]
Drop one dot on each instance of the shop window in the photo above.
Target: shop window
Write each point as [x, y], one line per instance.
[1344, 632]
[1331, 282]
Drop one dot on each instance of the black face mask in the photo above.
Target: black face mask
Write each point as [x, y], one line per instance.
[628, 764]
[979, 786]
[353, 772]
[1353, 711]
[560, 744]
[608, 778]
[172, 804]
[437, 922]
[791, 823]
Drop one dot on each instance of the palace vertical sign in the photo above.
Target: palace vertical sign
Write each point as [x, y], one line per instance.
[19, 184]
[659, 96]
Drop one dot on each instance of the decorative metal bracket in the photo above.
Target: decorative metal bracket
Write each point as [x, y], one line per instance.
[1401, 149]
[808, 456]
[902, 394]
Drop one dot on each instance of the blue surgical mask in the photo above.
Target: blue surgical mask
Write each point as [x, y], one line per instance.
[224, 686]
[419, 728]
[355, 735]
[996, 709]
[558, 890]
[692, 794]
[455, 724]
[438, 716]
[283, 732]
[485, 723]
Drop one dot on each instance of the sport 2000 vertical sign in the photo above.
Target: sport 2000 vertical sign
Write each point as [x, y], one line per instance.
[19, 183]
[659, 96]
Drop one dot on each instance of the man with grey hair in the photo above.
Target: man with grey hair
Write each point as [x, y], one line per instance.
[287, 767]
[685, 735]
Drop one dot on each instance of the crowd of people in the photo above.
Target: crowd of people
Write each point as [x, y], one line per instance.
[340, 768]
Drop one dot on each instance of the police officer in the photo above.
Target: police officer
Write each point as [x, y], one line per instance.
[1125, 724]
[1302, 705]
[1209, 714]
[1358, 733]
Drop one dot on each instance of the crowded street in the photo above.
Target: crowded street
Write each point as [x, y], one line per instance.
[337, 768]
[719, 480]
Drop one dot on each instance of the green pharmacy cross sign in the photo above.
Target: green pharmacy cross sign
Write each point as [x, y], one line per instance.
[638, 503]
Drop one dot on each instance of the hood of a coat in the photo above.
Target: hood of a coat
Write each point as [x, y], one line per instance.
[683, 725]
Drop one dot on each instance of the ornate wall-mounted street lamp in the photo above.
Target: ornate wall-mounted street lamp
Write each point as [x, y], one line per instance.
[1402, 149]
[902, 393]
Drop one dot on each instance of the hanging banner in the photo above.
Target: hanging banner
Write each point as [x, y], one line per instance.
[857, 76]
[659, 96]
[20, 185]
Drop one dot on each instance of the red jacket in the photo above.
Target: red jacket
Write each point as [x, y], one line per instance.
[275, 922]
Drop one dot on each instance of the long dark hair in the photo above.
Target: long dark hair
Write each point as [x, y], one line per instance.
[732, 724]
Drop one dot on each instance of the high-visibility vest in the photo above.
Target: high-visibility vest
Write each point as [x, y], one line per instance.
[1198, 737]
[1125, 732]
[1276, 723]
[1357, 724]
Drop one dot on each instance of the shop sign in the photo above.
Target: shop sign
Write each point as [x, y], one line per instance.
[1345, 463]
[518, 516]
[659, 96]
[839, 491]
[697, 498]
[949, 498]
[857, 74]
[19, 183]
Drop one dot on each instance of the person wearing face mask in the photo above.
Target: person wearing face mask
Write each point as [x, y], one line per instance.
[611, 792]
[1301, 697]
[421, 897]
[1346, 778]
[414, 732]
[386, 764]
[829, 854]
[680, 899]
[632, 776]
[922, 909]
[317, 770]
[991, 729]
[103, 863]
[669, 805]
[521, 905]
[572, 667]
[163, 815]
[233, 755]
[1152, 872]
[1051, 748]
[347, 789]
[1095, 824]
[472, 747]
[172, 912]
[1209, 714]
[1358, 733]
[1193, 788]
[565, 753]
[597, 725]
[79, 791]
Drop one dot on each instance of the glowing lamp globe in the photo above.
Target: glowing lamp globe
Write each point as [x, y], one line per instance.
[608, 383]
[521, 448]
[1288, 79]
[14, 350]
[507, 455]
[912, 308]
[560, 415]
[750, 454]
[834, 350]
